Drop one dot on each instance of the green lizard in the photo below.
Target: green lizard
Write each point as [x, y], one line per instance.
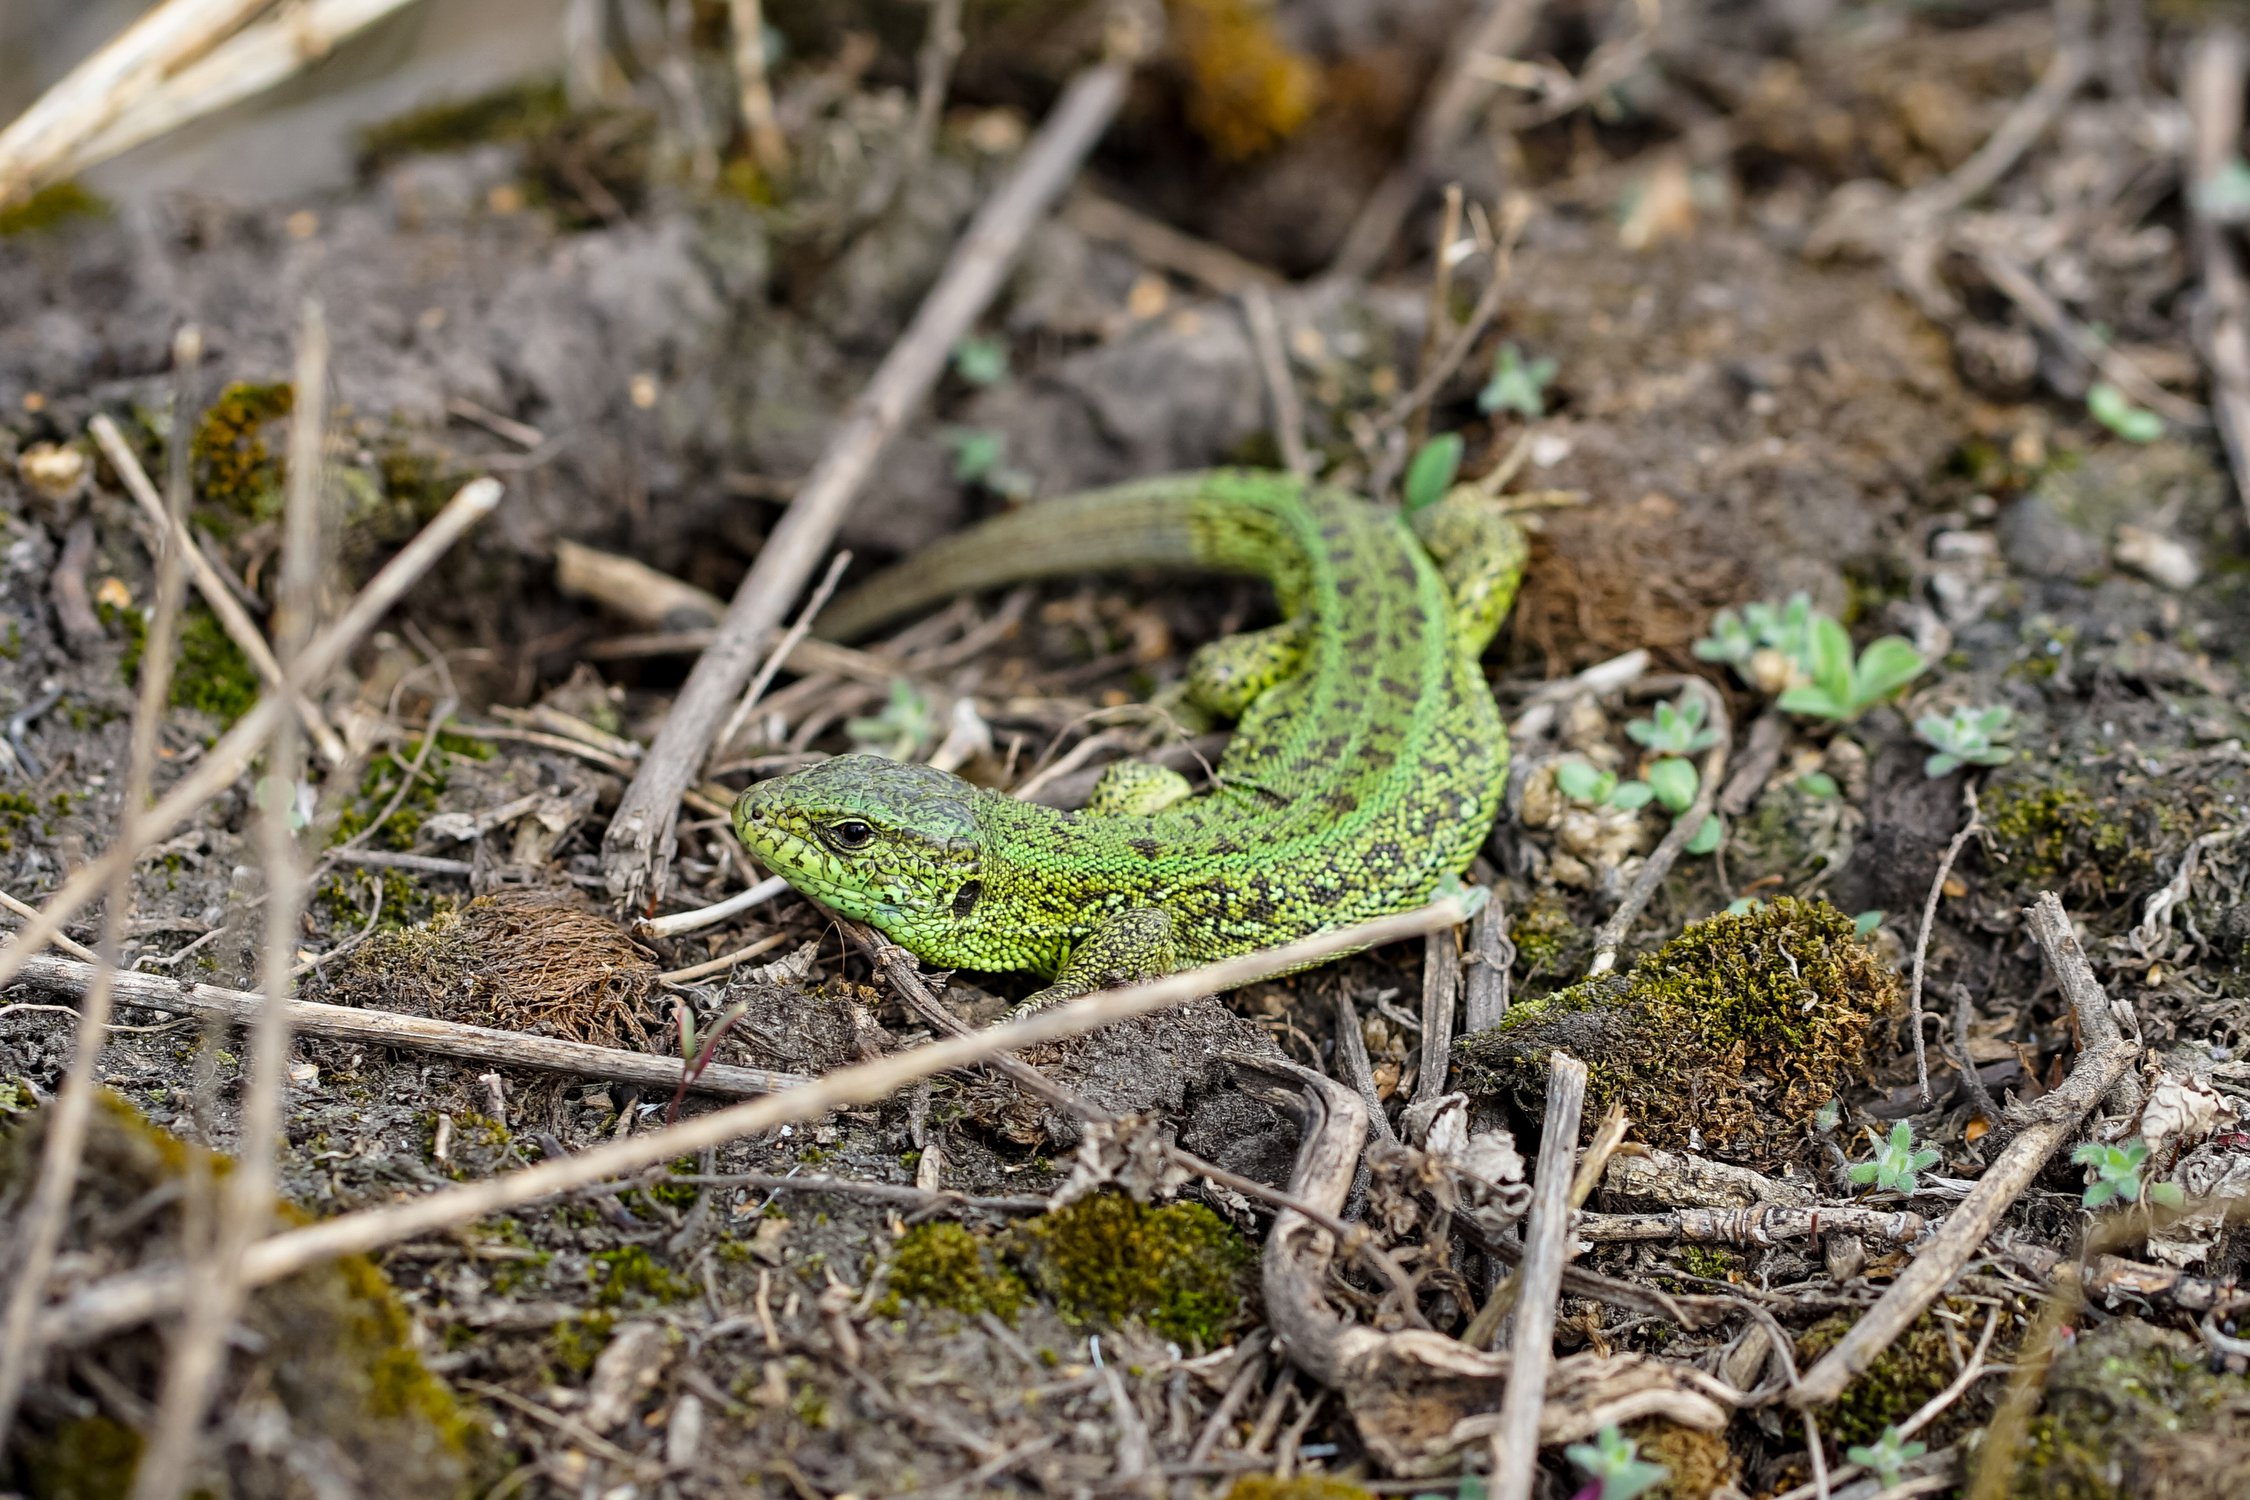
[1365, 770]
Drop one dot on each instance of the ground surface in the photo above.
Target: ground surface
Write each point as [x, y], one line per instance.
[1745, 401]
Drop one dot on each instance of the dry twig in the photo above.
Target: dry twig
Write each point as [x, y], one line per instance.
[2212, 85]
[1953, 850]
[1660, 862]
[1547, 1247]
[636, 852]
[1950, 1247]
[126, 1300]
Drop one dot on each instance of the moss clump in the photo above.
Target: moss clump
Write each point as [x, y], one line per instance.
[86, 1458]
[210, 675]
[944, 1265]
[630, 1276]
[1302, 1487]
[2134, 1412]
[1697, 1464]
[1729, 1036]
[331, 1350]
[1247, 89]
[235, 468]
[575, 1344]
[2056, 834]
[380, 782]
[516, 113]
[1178, 1269]
[1906, 1375]
[1544, 935]
[54, 205]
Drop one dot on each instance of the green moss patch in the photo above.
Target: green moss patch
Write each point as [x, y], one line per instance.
[53, 206]
[233, 461]
[1178, 1270]
[1903, 1378]
[1728, 1037]
[2134, 1412]
[332, 1352]
[944, 1265]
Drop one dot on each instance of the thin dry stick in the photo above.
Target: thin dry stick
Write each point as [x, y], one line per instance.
[636, 852]
[1957, 1239]
[1953, 850]
[1273, 360]
[680, 922]
[196, 1356]
[63, 940]
[2024, 124]
[262, 55]
[233, 618]
[43, 1218]
[1491, 954]
[780, 652]
[767, 143]
[1497, 30]
[225, 760]
[933, 68]
[1441, 989]
[127, 1300]
[35, 147]
[1514, 214]
[2212, 85]
[1714, 769]
[385, 1028]
[1515, 1446]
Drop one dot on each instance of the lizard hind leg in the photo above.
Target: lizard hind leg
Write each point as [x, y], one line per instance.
[1134, 945]
[1480, 551]
[1135, 789]
[1225, 677]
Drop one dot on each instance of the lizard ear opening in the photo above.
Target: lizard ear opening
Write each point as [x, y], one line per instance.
[965, 899]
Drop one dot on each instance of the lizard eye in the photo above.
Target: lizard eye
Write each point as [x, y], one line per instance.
[850, 834]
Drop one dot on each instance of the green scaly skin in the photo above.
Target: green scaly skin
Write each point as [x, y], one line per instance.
[1365, 771]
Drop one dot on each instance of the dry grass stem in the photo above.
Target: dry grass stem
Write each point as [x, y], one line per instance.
[127, 1300]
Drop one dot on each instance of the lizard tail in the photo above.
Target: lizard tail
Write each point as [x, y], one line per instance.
[1148, 523]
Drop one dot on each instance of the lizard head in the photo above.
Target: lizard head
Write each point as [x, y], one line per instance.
[885, 842]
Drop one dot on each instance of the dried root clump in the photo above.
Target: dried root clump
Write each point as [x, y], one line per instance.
[1723, 1040]
[519, 960]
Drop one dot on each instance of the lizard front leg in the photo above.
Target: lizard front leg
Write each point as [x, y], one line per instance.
[1134, 945]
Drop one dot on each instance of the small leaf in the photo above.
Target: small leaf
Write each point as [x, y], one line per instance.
[1940, 764]
[2167, 1194]
[1640, 732]
[1742, 906]
[1631, 796]
[981, 361]
[1583, 782]
[1819, 784]
[1431, 473]
[2108, 405]
[2100, 1193]
[1830, 665]
[1707, 836]
[1863, 924]
[1809, 702]
[1674, 782]
[1884, 667]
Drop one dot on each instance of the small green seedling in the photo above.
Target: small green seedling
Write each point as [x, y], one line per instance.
[981, 361]
[1674, 782]
[2108, 405]
[1866, 922]
[1841, 688]
[1762, 633]
[904, 726]
[1707, 835]
[980, 457]
[1886, 1457]
[1675, 730]
[2224, 196]
[1431, 474]
[2117, 1175]
[1517, 386]
[1819, 784]
[1613, 1467]
[1896, 1163]
[1583, 781]
[1967, 736]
